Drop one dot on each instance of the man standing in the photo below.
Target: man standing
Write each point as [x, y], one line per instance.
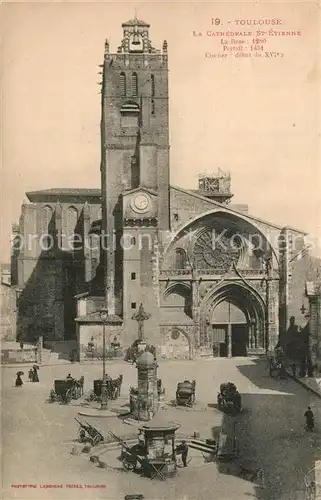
[309, 367]
[184, 448]
[309, 419]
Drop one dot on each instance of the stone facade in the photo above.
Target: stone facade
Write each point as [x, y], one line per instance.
[177, 342]
[13, 356]
[90, 331]
[313, 292]
[214, 279]
[8, 306]
[49, 268]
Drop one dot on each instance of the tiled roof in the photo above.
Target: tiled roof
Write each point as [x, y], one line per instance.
[230, 209]
[160, 422]
[135, 22]
[80, 195]
[67, 191]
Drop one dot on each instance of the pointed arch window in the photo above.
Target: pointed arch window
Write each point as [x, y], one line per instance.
[46, 239]
[47, 213]
[122, 83]
[180, 259]
[134, 85]
[152, 85]
[70, 218]
[94, 248]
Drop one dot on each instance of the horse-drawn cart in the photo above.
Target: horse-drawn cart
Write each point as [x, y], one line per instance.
[66, 390]
[229, 399]
[113, 388]
[135, 458]
[89, 434]
[185, 393]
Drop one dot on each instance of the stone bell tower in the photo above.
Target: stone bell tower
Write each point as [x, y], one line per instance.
[134, 145]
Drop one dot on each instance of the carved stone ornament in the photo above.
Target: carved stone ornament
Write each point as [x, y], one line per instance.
[175, 334]
[217, 253]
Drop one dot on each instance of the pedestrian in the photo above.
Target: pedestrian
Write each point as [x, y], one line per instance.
[184, 449]
[309, 367]
[309, 419]
[293, 366]
[19, 381]
[21, 344]
[35, 377]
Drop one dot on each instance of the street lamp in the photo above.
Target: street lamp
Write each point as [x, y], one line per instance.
[104, 398]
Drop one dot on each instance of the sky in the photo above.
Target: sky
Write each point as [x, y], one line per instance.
[255, 117]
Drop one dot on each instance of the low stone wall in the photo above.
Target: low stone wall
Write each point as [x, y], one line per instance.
[12, 356]
[97, 354]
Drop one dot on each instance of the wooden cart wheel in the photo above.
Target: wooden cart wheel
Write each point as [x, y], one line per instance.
[130, 466]
[82, 436]
[96, 440]
[52, 396]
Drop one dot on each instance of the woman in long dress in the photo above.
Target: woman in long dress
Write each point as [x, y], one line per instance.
[35, 375]
[19, 381]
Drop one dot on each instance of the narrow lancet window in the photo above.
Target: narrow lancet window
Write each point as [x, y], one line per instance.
[152, 85]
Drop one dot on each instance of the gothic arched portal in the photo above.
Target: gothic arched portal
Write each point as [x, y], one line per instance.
[232, 319]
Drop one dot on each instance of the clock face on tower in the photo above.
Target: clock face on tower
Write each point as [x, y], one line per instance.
[140, 203]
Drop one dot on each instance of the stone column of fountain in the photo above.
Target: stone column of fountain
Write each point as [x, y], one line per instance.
[144, 401]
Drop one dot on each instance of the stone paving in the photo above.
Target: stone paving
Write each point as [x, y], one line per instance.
[38, 437]
[312, 384]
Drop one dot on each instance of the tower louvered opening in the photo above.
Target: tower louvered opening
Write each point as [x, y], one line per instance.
[122, 84]
[134, 85]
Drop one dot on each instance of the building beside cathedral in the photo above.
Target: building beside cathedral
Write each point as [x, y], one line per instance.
[213, 279]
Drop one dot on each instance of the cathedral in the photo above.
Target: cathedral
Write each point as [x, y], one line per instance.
[208, 278]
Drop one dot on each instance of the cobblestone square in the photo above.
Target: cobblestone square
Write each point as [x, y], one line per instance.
[38, 437]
